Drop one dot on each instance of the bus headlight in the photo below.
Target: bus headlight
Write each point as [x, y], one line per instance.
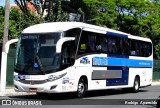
[53, 77]
[16, 77]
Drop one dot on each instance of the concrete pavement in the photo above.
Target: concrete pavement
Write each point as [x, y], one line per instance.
[10, 91]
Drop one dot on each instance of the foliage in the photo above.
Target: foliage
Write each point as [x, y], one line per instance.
[1, 22]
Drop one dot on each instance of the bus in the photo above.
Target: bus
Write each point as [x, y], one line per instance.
[60, 57]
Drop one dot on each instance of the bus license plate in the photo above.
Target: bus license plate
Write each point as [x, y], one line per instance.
[33, 89]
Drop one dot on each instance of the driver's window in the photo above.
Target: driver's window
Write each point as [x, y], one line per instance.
[68, 53]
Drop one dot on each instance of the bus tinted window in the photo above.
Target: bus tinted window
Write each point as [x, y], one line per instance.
[102, 43]
[112, 45]
[87, 43]
[140, 48]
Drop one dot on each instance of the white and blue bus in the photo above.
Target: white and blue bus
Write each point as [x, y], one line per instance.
[78, 57]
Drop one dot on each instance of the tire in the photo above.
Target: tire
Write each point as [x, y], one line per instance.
[81, 88]
[136, 85]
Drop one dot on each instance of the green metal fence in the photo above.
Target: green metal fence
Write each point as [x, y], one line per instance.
[10, 65]
[156, 70]
[11, 57]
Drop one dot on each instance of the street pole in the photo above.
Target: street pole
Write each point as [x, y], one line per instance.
[4, 54]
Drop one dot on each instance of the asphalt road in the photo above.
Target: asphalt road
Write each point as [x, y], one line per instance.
[95, 99]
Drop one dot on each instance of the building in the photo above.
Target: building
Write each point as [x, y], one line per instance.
[29, 4]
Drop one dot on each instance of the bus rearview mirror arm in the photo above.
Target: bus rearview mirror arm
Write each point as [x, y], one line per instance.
[61, 41]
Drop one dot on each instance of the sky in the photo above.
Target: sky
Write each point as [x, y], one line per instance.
[2, 2]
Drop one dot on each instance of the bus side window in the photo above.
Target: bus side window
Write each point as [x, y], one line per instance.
[87, 43]
[65, 54]
[68, 53]
[112, 46]
[83, 44]
[98, 44]
[126, 46]
[120, 46]
[91, 43]
[146, 50]
[133, 50]
[72, 53]
[103, 43]
[149, 48]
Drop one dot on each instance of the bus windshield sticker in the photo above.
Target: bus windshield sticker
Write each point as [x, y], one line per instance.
[83, 47]
[36, 65]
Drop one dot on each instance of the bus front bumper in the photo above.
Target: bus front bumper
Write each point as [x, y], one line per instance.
[48, 87]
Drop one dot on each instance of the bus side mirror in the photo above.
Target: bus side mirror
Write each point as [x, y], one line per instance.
[61, 41]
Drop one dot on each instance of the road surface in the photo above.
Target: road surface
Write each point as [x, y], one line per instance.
[95, 99]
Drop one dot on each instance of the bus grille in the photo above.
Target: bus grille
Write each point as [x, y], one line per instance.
[33, 82]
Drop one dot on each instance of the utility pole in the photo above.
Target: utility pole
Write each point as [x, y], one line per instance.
[4, 54]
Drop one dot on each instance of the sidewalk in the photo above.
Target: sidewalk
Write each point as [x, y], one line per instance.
[10, 91]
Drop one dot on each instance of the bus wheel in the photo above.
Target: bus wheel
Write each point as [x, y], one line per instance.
[81, 89]
[136, 85]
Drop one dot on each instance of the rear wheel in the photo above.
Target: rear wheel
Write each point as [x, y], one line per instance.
[81, 89]
[136, 85]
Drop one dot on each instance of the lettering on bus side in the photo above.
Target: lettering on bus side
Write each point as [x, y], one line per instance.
[85, 60]
[100, 61]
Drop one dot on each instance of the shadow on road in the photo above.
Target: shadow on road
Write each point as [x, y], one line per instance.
[110, 92]
[69, 96]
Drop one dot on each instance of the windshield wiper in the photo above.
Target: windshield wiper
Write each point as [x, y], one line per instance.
[31, 64]
[40, 64]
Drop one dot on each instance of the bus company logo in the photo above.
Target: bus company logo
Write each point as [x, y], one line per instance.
[65, 80]
[32, 82]
[85, 60]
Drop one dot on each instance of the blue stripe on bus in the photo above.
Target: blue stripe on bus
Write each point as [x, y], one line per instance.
[117, 34]
[125, 70]
[118, 81]
[129, 62]
[109, 61]
[118, 56]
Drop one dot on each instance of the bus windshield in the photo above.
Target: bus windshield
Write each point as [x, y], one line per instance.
[36, 54]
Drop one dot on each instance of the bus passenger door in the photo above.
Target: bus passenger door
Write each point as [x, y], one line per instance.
[67, 62]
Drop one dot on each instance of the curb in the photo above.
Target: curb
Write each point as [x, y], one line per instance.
[155, 83]
[13, 93]
[10, 92]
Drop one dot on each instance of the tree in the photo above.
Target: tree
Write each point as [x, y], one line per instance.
[1, 22]
[101, 13]
[28, 14]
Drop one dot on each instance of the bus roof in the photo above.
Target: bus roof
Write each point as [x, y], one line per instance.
[63, 26]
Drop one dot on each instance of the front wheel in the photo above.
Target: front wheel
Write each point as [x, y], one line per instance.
[81, 89]
[136, 85]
